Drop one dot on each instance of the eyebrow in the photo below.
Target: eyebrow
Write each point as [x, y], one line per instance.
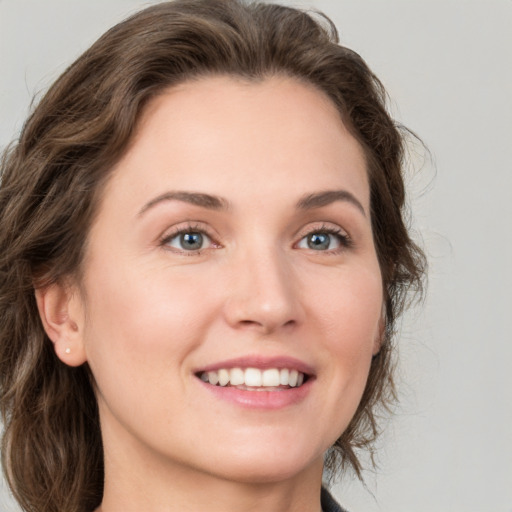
[211, 202]
[195, 198]
[319, 199]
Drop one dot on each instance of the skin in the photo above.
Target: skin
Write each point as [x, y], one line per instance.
[148, 312]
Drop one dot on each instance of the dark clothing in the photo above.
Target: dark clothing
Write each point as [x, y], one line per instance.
[328, 503]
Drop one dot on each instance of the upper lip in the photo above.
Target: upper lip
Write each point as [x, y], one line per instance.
[260, 362]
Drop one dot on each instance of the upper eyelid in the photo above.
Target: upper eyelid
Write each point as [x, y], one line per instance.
[188, 226]
[329, 227]
[204, 228]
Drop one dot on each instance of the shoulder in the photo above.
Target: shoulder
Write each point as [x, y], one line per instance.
[328, 502]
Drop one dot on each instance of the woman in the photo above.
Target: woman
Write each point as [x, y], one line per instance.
[202, 259]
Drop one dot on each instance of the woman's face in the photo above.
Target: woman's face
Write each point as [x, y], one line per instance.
[233, 241]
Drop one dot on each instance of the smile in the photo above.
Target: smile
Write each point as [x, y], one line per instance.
[254, 379]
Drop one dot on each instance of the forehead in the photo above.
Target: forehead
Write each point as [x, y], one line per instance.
[223, 133]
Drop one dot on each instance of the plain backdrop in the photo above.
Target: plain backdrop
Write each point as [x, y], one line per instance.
[447, 66]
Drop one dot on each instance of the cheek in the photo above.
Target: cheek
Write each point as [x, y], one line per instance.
[137, 324]
[349, 309]
[139, 333]
[349, 316]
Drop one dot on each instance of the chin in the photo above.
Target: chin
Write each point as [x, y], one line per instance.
[264, 468]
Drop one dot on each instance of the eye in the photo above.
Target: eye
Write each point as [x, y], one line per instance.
[188, 240]
[324, 240]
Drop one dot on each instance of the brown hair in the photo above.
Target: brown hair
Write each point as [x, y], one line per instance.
[52, 178]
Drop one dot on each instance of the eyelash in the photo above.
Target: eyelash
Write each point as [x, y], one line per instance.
[188, 229]
[345, 242]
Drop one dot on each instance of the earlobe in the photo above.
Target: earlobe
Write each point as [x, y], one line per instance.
[60, 314]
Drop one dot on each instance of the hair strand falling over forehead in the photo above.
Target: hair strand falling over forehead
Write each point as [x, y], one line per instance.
[51, 180]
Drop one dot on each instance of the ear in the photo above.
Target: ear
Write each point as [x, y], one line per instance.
[61, 311]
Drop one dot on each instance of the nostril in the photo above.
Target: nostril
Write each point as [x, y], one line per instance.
[266, 326]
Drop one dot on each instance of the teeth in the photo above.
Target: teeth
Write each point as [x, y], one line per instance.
[213, 378]
[271, 377]
[223, 377]
[253, 377]
[292, 378]
[237, 376]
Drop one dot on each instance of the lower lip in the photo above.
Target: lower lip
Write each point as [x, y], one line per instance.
[260, 399]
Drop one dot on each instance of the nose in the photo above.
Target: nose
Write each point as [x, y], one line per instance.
[263, 294]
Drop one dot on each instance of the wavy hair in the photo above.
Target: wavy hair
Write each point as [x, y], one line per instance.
[52, 178]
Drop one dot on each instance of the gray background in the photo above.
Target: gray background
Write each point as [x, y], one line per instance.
[447, 67]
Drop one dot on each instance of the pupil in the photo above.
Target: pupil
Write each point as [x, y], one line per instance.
[192, 240]
[319, 241]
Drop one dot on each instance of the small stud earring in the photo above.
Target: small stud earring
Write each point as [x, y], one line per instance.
[68, 351]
